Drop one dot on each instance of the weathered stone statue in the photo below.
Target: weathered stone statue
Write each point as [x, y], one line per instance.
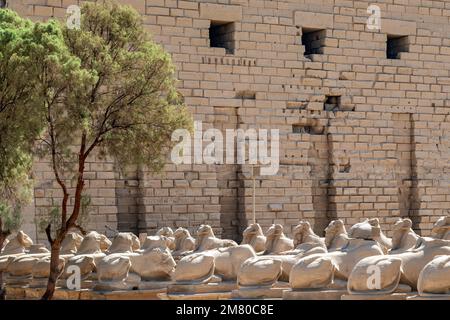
[254, 236]
[34, 267]
[214, 259]
[184, 243]
[221, 264]
[276, 241]
[15, 247]
[266, 270]
[370, 229]
[378, 273]
[18, 245]
[124, 246]
[320, 270]
[124, 268]
[399, 268]
[168, 233]
[161, 242]
[404, 237]
[441, 229]
[206, 240]
[434, 279]
[165, 231]
[91, 250]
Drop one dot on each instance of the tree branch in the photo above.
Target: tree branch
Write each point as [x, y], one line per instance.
[48, 232]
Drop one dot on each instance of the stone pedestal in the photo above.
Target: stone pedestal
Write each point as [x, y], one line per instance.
[154, 285]
[313, 294]
[268, 292]
[16, 281]
[207, 291]
[121, 295]
[196, 296]
[84, 294]
[430, 297]
[392, 296]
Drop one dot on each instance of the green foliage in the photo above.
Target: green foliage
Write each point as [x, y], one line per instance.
[86, 210]
[133, 105]
[11, 217]
[17, 126]
[106, 87]
[53, 217]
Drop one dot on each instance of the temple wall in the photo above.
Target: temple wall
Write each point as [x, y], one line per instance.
[361, 135]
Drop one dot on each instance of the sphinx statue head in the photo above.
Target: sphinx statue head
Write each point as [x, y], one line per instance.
[165, 231]
[94, 242]
[206, 239]
[254, 236]
[370, 229]
[336, 235]
[71, 243]
[441, 228]
[161, 242]
[274, 231]
[19, 244]
[277, 242]
[303, 233]
[403, 237]
[205, 230]
[183, 240]
[367, 229]
[254, 229]
[123, 243]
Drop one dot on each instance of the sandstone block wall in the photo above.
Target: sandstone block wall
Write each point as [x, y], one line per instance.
[361, 135]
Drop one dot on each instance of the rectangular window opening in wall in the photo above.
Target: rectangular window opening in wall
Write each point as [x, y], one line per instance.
[3, 4]
[221, 35]
[313, 40]
[395, 45]
[332, 103]
[298, 128]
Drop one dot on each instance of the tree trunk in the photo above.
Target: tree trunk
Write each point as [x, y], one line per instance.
[2, 290]
[55, 271]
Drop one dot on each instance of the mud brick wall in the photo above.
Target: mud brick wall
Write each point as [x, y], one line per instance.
[361, 135]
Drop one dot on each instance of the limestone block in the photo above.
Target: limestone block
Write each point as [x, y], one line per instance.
[313, 20]
[398, 27]
[220, 12]
[313, 294]
[393, 296]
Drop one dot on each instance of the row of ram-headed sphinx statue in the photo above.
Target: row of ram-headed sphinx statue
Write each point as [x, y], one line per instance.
[341, 260]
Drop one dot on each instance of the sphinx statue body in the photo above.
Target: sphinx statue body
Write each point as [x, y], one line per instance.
[36, 266]
[18, 246]
[93, 247]
[267, 269]
[434, 279]
[126, 265]
[213, 260]
[331, 270]
[402, 267]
